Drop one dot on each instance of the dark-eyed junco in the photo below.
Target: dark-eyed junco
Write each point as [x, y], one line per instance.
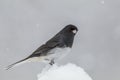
[54, 48]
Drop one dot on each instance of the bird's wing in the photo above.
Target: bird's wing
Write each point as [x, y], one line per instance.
[56, 41]
[42, 50]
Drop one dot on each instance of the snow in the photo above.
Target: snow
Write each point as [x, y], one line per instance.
[67, 72]
[102, 2]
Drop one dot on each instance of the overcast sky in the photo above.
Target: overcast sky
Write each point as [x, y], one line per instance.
[26, 24]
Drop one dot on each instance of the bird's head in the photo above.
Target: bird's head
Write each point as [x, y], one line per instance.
[70, 29]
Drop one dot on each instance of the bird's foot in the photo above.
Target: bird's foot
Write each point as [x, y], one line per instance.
[51, 62]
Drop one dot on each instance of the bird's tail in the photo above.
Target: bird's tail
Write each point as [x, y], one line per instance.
[17, 63]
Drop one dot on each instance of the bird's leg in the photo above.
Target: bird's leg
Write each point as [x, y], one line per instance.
[52, 62]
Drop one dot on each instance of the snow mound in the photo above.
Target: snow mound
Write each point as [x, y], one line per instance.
[66, 72]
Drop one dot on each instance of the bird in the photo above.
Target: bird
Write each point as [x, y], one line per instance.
[53, 49]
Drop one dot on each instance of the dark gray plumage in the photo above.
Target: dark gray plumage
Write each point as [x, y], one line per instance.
[61, 40]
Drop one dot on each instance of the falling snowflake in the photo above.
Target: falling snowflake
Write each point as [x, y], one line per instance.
[102, 2]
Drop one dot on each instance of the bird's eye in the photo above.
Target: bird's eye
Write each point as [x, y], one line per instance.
[72, 29]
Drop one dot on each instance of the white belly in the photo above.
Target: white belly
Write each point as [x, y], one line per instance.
[58, 53]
